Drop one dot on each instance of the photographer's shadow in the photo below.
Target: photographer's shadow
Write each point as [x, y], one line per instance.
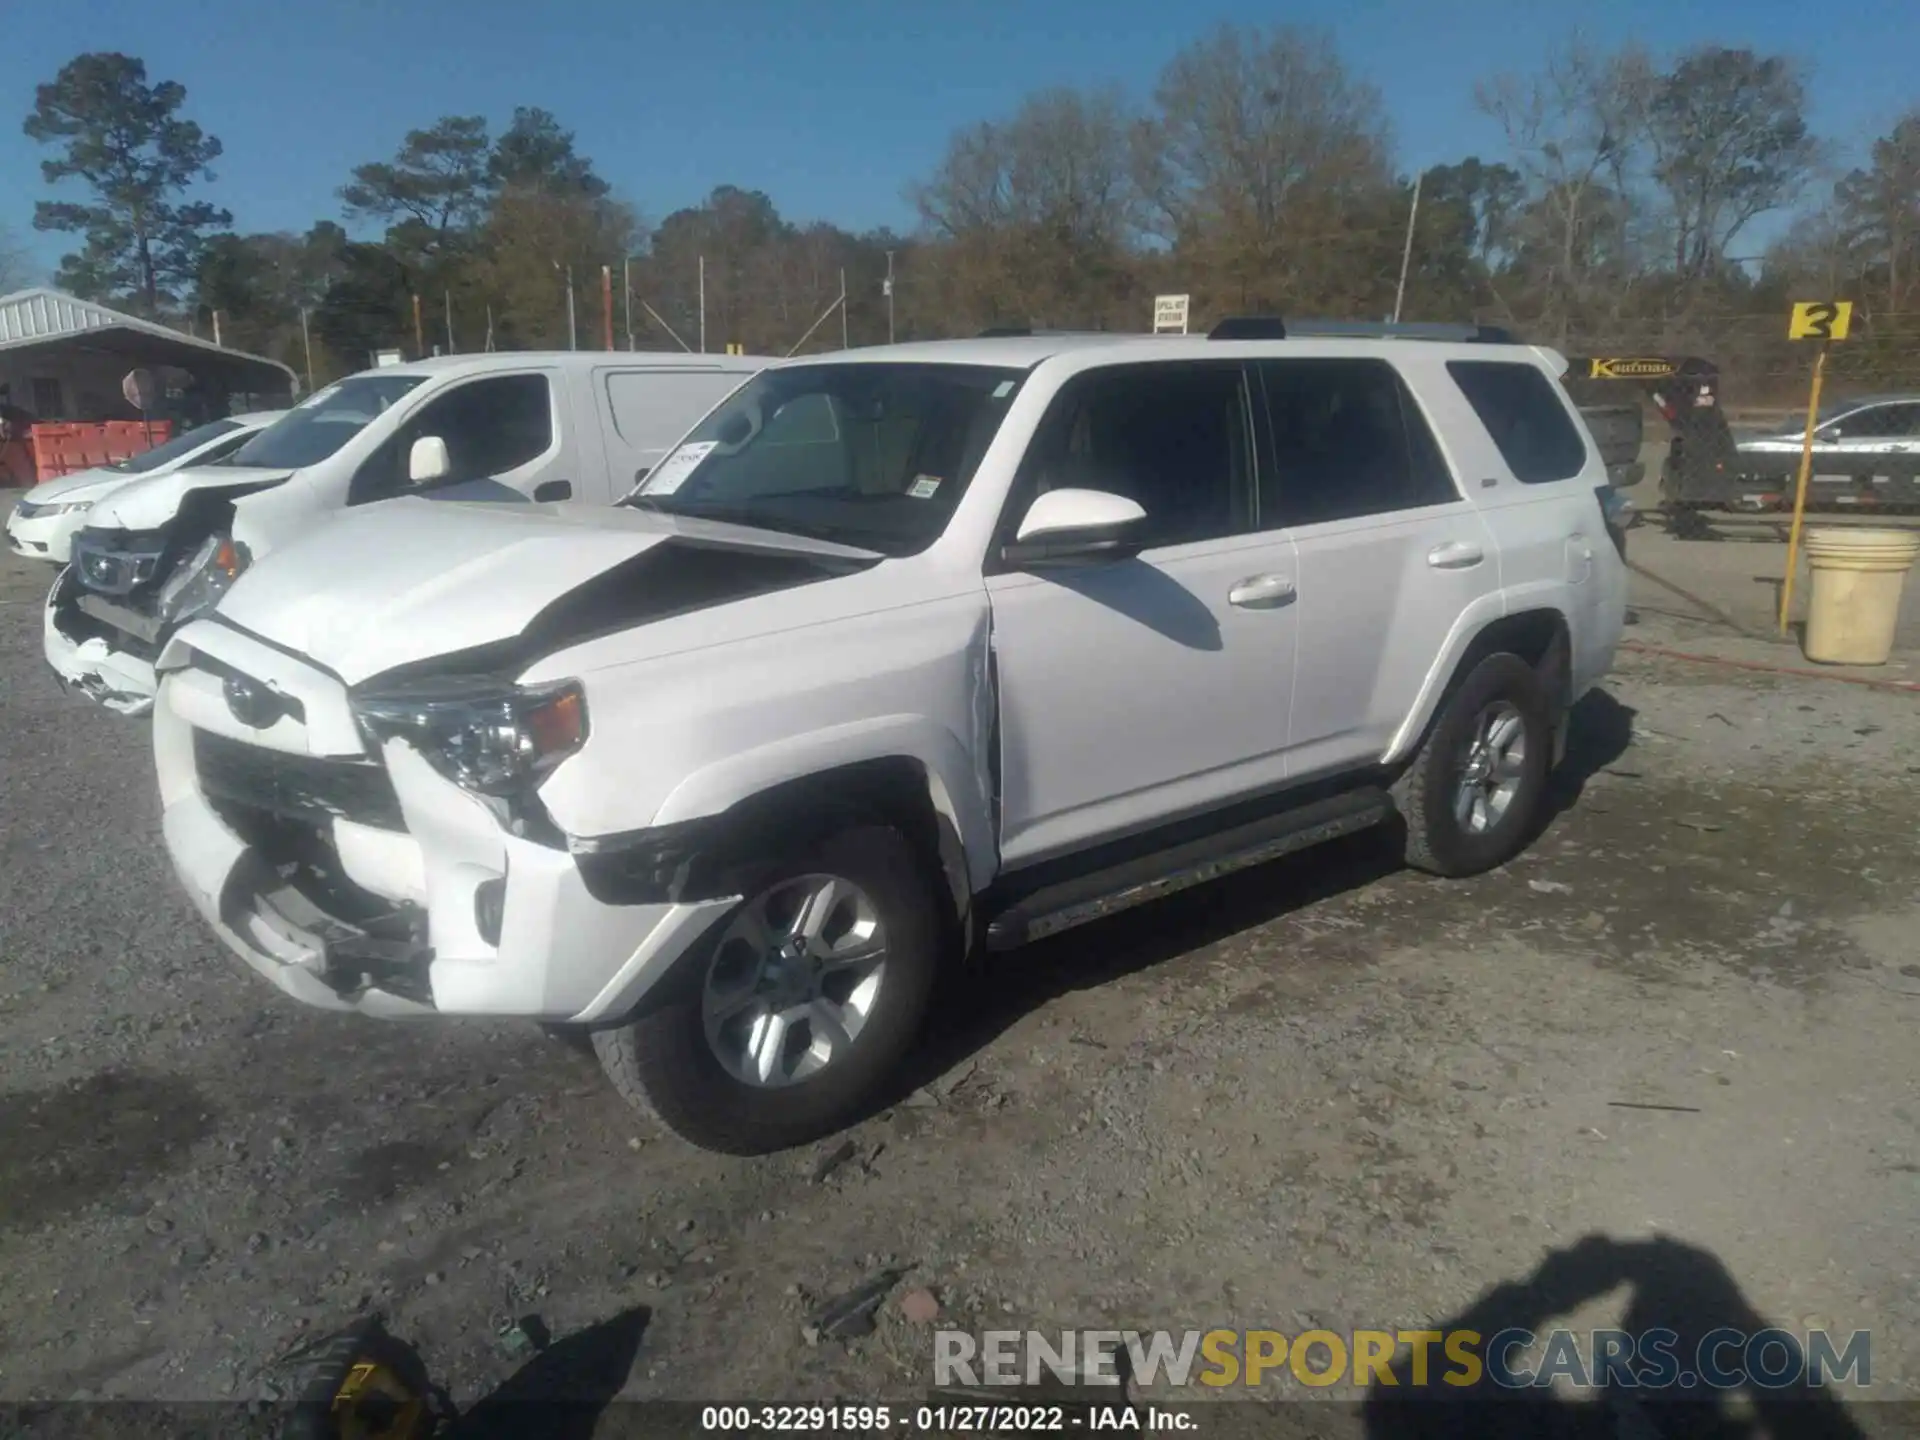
[1675, 1287]
[563, 1391]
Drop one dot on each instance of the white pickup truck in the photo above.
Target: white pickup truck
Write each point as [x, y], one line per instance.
[581, 427]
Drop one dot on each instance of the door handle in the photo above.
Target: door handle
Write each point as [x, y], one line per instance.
[1261, 592]
[1455, 555]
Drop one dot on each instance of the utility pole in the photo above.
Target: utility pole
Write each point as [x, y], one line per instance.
[216, 327]
[1406, 253]
[888, 288]
[626, 287]
[419, 335]
[446, 299]
[843, 311]
[606, 306]
[573, 329]
[703, 304]
[306, 339]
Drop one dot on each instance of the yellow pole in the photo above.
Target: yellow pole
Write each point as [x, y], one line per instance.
[1800, 491]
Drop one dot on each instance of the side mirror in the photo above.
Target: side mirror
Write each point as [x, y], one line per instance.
[1086, 527]
[642, 473]
[550, 490]
[428, 461]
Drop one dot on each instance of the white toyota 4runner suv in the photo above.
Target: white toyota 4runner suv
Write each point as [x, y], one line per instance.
[901, 652]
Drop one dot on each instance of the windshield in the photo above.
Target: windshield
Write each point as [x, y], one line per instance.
[183, 444]
[871, 455]
[324, 421]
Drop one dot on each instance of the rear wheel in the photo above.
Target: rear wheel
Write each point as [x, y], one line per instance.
[787, 1021]
[1472, 797]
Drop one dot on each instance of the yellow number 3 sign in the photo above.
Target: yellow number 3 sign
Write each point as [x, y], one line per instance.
[1820, 320]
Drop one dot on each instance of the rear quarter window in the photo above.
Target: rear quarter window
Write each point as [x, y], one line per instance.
[653, 408]
[1523, 413]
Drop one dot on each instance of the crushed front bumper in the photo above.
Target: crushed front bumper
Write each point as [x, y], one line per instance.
[505, 925]
[117, 678]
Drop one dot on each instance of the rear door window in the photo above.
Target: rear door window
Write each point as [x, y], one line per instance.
[653, 408]
[1878, 422]
[1523, 413]
[1348, 441]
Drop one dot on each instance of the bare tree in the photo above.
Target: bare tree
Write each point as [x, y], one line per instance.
[1573, 131]
[1038, 212]
[1729, 141]
[1880, 206]
[1816, 250]
[1266, 165]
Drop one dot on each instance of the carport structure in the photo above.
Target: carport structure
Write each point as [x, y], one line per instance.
[63, 358]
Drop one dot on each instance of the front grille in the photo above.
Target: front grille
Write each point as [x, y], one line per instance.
[299, 787]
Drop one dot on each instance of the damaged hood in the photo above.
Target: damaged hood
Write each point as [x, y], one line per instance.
[146, 502]
[412, 579]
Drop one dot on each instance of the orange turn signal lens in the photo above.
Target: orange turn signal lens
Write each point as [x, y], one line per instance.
[557, 723]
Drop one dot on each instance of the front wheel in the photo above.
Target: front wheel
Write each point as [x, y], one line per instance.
[1472, 797]
[784, 1024]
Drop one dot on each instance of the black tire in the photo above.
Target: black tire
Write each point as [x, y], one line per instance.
[1436, 841]
[660, 1061]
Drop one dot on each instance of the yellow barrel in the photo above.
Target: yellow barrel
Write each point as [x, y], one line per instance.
[1854, 601]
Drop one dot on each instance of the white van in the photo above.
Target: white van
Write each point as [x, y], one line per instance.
[581, 427]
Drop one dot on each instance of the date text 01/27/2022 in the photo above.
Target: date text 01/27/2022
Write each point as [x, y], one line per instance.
[945, 1419]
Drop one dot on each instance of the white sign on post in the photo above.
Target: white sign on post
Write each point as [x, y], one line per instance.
[1170, 314]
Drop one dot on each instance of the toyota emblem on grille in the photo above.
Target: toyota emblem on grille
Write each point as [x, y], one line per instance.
[101, 569]
[252, 705]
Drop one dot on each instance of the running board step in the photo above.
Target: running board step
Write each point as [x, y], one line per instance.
[1083, 898]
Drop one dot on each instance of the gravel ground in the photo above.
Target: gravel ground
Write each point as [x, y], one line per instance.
[1326, 1093]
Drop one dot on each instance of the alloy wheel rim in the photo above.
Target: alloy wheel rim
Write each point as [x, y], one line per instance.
[1493, 768]
[794, 980]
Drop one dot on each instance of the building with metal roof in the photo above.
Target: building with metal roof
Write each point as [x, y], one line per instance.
[63, 358]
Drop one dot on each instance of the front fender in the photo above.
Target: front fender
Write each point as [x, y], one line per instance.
[957, 785]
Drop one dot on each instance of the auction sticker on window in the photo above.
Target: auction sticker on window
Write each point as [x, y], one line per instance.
[924, 487]
[672, 472]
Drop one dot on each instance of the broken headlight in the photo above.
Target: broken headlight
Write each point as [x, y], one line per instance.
[482, 733]
[199, 585]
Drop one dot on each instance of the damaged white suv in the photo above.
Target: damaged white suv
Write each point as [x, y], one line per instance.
[903, 651]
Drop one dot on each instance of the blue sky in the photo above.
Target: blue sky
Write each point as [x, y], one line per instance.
[831, 106]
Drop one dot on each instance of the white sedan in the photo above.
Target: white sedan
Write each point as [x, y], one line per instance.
[43, 524]
[1873, 425]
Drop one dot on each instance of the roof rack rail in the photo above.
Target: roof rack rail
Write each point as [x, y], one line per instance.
[1264, 327]
[1022, 332]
